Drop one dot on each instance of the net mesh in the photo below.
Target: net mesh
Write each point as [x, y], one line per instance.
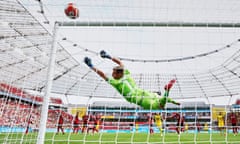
[203, 57]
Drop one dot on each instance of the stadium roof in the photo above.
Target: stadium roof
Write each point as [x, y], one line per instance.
[204, 60]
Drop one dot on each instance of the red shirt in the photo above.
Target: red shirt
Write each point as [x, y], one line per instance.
[29, 121]
[76, 120]
[233, 118]
[85, 119]
[60, 121]
[97, 119]
[198, 125]
[180, 119]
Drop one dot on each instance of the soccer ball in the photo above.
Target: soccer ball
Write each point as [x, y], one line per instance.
[72, 11]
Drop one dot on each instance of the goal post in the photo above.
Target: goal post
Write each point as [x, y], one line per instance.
[49, 81]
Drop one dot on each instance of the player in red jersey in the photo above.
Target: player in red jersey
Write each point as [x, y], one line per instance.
[76, 123]
[151, 123]
[85, 119]
[29, 121]
[180, 122]
[198, 125]
[96, 123]
[90, 125]
[60, 124]
[233, 119]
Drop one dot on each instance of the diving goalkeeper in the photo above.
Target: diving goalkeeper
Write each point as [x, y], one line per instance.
[122, 81]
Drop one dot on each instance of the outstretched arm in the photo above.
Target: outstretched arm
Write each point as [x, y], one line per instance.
[100, 73]
[88, 62]
[104, 54]
[117, 61]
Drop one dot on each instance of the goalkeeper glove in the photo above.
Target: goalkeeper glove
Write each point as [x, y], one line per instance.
[88, 62]
[104, 54]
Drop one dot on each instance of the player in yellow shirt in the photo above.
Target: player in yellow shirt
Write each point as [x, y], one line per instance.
[220, 120]
[186, 128]
[158, 122]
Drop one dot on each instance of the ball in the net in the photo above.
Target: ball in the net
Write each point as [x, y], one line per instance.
[72, 11]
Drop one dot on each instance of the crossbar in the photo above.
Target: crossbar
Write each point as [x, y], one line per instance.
[147, 24]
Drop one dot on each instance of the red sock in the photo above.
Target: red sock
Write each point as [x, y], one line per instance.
[170, 84]
[151, 130]
[177, 129]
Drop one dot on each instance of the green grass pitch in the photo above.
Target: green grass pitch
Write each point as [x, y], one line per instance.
[121, 138]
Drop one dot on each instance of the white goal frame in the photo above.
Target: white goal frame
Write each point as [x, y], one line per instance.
[57, 24]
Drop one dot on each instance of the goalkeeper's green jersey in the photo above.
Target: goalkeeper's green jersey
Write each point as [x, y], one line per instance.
[127, 87]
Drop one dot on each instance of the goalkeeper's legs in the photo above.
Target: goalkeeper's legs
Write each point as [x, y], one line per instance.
[167, 88]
